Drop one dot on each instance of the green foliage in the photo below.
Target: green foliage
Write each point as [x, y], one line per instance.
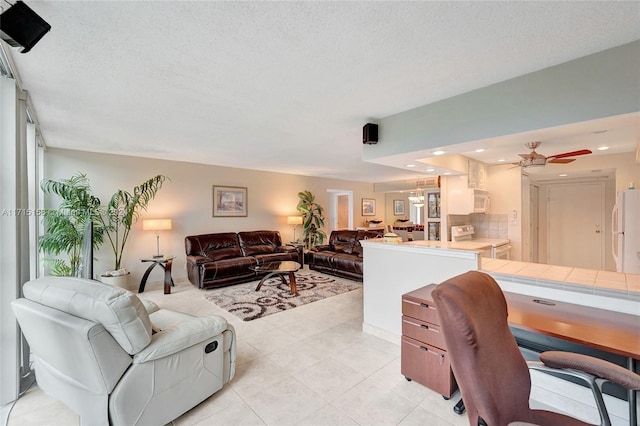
[123, 210]
[312, 219]
[65, 226]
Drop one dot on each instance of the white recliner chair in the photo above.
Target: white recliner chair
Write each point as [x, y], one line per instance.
[94, 349]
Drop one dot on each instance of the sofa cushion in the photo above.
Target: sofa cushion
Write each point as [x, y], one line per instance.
[343, 241]
[259, 242]
[347, 262]
[218, 246]
[119, 311]
[227, 268]
[364, 235]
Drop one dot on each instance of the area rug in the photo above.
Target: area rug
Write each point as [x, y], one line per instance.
[244, 302]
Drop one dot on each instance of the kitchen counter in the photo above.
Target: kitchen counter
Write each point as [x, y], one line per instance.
[391, 270]
[588, 281]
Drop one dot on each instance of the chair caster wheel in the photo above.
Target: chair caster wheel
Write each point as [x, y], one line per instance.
[445, 398]
[459, 407]
[408, 379]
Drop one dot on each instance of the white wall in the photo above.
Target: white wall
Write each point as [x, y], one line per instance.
[187, 199]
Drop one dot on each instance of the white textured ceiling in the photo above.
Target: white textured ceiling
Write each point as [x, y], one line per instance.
[285, 86]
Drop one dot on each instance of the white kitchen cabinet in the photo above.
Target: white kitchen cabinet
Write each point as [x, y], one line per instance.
[477, 175]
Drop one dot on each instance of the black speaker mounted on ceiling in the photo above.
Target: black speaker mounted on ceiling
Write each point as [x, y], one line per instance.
[21, 26]
[370, 133]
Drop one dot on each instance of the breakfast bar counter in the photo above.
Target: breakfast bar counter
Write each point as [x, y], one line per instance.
[391, 270]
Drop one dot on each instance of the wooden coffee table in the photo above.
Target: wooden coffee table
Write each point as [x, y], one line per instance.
[279, 268]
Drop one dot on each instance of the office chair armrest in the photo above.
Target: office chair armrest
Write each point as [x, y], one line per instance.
[594, 383]
[595, 366]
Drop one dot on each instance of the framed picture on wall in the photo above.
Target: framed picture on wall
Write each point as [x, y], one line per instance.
[398, 207]
[433, 205]
[433, 231]
[229, 201]
[368, 207]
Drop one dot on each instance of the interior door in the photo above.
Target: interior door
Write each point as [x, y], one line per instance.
[576, 225]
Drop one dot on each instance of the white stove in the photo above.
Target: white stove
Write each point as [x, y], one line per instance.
[499, 247]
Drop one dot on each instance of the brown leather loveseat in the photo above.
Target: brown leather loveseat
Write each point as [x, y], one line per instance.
[215, 260]
[343, 255]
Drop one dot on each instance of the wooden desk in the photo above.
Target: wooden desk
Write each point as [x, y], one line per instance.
[601, 329]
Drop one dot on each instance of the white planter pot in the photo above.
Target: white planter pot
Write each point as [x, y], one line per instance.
[121, 281]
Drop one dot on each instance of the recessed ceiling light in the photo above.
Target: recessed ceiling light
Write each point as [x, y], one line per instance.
[438, 152]
[447, 173]
[603, 148]
[410, 165]
[431, 170]
[480, 150]
[502, 160]
[563, 175]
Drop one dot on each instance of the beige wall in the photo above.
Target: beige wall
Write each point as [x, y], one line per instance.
[187, 199]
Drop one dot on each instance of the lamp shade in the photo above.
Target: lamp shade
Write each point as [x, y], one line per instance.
[156, 224]
[294, 220]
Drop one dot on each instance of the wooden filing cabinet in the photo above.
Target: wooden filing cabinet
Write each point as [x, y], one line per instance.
[424, 355]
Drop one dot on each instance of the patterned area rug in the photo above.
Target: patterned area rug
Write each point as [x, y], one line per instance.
[243, 301]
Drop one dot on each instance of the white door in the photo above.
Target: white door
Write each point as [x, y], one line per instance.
[576, 225]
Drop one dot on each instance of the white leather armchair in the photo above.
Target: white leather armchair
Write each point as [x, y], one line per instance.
[94, 349]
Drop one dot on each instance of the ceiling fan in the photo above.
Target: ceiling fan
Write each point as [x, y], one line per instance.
[535, 159]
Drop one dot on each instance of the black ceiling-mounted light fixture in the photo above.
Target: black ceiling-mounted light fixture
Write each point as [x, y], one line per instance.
[20, 26]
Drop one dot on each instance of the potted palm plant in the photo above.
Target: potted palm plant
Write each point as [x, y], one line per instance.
[312, 219]
[122, 211]
[65, 225]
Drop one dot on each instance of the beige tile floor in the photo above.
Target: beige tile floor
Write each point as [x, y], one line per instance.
[307, 366]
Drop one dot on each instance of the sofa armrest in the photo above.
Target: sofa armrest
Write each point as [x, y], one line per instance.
[181, 336]
[323, 247]
[198, 260]
[286, 249]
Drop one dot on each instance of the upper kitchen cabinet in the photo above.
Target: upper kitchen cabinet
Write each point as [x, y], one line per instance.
[477, 177]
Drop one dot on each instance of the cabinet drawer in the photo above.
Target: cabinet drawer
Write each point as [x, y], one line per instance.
[422, 310]
[423, 332]
[427, 365]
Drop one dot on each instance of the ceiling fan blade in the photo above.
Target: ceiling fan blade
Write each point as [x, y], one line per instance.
[561, 160]
[571, 154]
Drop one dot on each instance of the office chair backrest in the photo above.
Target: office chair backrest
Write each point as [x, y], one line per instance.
[492, 374]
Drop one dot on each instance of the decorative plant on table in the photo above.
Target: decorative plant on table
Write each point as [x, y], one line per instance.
[123, 210]
[312, 219]
[65, 225]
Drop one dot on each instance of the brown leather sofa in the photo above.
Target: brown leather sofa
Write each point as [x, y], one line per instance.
[343, 255]
[215, 260]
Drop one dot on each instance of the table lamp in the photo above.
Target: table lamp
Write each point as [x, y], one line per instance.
[295, 221]
[156, 225]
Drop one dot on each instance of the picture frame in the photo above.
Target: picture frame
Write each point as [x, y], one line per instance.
[398, 207]
[433, 231]
[433, 205]
[368, 207]
[229, 201]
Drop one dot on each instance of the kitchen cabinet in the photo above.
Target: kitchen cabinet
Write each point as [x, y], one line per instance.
[477, 175]
[424, 356]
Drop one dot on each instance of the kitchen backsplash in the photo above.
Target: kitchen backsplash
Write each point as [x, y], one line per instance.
[485, 225]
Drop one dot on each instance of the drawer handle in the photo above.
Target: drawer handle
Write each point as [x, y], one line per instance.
[424, 305]
[441, 359]
[426, 327]
[422, 348]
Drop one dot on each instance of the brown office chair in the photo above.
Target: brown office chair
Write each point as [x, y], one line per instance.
[491, 372]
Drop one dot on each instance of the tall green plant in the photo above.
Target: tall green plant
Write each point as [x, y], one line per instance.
[312, 219]
[65, 225]
[123, 210]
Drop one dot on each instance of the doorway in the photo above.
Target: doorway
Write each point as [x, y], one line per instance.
[340, 210]
[575, 225]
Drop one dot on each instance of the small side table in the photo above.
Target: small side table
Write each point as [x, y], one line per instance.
[165, 262]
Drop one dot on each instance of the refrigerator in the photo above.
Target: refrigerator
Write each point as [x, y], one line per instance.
[625, 223]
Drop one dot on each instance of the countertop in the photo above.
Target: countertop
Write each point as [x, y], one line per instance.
[590, 281]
